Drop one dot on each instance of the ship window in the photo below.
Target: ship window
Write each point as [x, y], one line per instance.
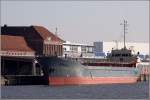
[121, 59]
[117, 55]
[125, 55]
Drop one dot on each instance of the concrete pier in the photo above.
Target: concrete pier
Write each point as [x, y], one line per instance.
[23, 80]
[21, 70]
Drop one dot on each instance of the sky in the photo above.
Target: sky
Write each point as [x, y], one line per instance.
[82, 21]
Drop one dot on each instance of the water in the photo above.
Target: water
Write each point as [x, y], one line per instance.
[138, 90]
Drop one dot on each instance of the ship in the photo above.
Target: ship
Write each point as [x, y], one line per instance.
[67, 71]
[118, 58]
[119, 67]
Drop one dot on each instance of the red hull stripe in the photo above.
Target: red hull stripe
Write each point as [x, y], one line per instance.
[89, 80]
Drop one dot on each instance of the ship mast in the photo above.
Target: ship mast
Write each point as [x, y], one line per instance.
[124, 31]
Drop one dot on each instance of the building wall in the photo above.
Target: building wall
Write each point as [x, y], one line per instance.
[98, 46]
[52, 50]
[77, 49]
[36, 46]
[98, 49]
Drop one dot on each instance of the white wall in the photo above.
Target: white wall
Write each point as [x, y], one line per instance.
[67, 47]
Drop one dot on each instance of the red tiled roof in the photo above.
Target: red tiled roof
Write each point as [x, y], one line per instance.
[14, 43]
[44, 33]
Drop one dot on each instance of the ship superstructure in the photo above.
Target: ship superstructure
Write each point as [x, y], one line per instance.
[118, 57]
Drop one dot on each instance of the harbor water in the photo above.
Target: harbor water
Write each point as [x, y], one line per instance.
[139, 90]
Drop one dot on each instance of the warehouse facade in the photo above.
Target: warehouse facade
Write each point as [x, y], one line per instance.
[38, 38]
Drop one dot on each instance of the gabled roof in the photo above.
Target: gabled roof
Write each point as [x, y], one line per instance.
[44, 33]
[25, 31]
[14, 43]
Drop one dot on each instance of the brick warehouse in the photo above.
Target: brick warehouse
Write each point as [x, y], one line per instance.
[21, 44]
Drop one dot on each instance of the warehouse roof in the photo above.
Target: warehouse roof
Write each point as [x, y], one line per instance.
[14, 43]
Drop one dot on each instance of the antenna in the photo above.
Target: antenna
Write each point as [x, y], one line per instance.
[125, 31]
[116, 43]
[56, 32]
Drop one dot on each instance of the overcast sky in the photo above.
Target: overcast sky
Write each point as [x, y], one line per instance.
[82, 21]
